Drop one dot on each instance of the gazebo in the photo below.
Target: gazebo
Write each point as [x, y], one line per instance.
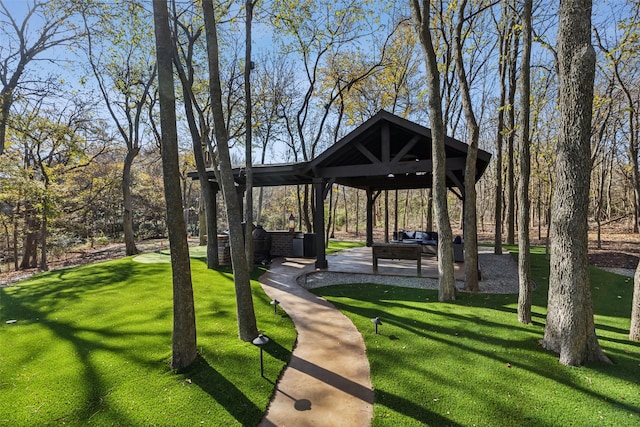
[385, 152]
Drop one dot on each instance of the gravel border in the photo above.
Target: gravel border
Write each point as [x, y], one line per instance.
[628, 272]
[499, 276]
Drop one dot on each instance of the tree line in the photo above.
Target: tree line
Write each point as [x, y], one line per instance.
[114, 61]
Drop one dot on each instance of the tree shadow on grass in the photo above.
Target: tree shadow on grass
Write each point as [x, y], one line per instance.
[95, 390]
[411, 409]
[388, 299]
[73, 306]
[224, 392]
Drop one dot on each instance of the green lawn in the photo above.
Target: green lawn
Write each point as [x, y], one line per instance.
[339, 245]
[471, 363]
[92, 345]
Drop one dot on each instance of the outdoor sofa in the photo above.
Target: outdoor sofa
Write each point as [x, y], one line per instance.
[429, 242]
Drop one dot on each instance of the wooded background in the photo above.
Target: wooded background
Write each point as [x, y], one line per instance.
[80, 161]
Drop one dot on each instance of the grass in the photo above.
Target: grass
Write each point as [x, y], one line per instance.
[339, 245]
[471, 363]
[92, 345]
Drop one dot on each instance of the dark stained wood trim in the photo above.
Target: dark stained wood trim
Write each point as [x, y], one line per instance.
[383, 169]
[320, 187]
[408, 146]
[385, 142]
[368, 154]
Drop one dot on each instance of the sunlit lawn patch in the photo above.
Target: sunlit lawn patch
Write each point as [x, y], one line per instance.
[471, 363]
[339, 245]
[92, 345]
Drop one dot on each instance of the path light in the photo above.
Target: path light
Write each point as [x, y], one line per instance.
[275, 303]
[259, 342]
[376, 321]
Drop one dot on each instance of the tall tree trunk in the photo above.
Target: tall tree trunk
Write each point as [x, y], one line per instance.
[211, 208]
[539, 209]
[470, 220]
[447, 285]
[357, 219]
[43, 240]
[346, 209]
[184, 349]
[6, 99]
[202, 220]
[185, 197]
[635, 177]
[634, 330]
[247, 328]
[335, 213]
[200, 142]
[14, 239]
[330, 212]
[600, 199]
[248, 205]
[511, 184]
[386, 214]
[504, 49]
[547, 249]
[570, 329]
[524, 263]
[30, 246]
[127, 200]
[303, 208]
[260, 197]
[405, 214]
[395, 212]
[422, 212]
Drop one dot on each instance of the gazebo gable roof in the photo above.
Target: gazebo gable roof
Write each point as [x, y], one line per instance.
[384, 153]
[388, 152]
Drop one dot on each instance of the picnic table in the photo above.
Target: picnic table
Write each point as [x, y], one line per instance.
[411, 251]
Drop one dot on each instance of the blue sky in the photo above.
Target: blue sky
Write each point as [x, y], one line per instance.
[69, 70]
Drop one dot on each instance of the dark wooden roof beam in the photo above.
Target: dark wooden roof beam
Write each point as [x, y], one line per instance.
[385, 142]
[457, 182]
[368, 154]
[453, 163]
[407, 147]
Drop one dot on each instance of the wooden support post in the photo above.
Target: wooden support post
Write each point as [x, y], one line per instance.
[318, 224]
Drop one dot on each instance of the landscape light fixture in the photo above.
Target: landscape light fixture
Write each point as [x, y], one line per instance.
[259, 342]
[275, 303]
[376, 321]
[292, 223]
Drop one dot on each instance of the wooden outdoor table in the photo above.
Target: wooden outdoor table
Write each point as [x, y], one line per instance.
[409, 251]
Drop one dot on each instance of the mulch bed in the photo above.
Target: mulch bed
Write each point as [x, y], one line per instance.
[621, 250]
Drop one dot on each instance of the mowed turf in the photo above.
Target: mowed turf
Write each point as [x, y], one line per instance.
[470, 363]
[92, 345]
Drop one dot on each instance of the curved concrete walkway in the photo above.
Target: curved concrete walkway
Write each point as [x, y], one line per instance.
[327, 381]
